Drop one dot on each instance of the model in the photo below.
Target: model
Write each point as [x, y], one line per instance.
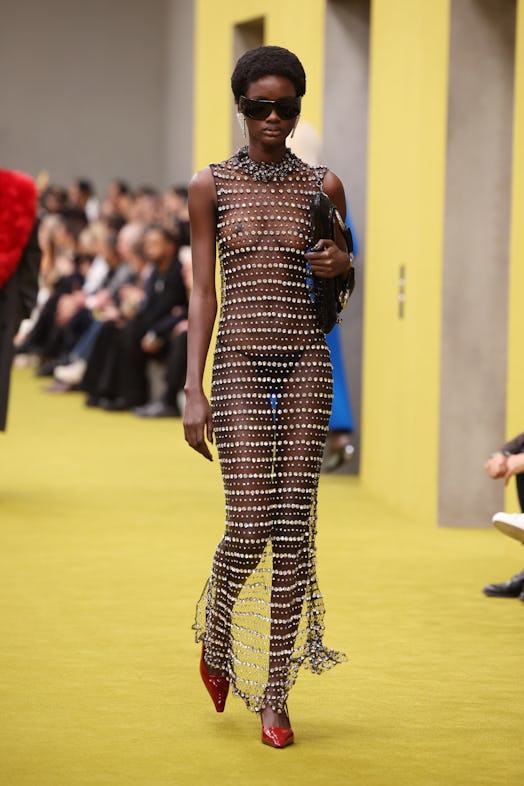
[261, 614]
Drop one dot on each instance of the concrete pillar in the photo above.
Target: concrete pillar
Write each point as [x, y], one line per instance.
[476, 258]
[180, 69]
[345, 136]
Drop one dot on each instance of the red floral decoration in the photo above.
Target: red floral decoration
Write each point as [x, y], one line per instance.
[17, 216]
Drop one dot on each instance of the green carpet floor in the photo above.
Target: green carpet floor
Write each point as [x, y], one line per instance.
[108, 525]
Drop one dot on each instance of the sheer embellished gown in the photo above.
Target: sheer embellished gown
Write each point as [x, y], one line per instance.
[261, 613]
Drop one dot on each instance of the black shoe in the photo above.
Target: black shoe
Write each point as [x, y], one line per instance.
[514, 588]
[46, 368]
[113, 404]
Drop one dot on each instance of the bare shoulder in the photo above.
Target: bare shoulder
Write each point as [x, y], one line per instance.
[334, 188]
[202, 192]
[202, 183]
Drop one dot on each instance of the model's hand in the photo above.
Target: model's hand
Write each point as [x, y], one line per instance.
[496, 466]
[327, 260]
[198, 424]
[514, 466]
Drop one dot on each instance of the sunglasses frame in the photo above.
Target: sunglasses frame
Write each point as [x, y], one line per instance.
[292, 101]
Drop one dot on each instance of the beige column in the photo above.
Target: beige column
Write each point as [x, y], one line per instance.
[476, 258]
[345, 132]
[179, 76]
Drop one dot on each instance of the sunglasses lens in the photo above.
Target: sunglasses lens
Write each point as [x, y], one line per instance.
[256, 110]
[286, 108]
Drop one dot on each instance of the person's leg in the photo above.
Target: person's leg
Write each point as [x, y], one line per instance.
[76, 327]
[233, 613]
[86, 341]
[302, 416]
[176, 369]
[98, 379]
[519, 479]
[514, 587]
[37, 339]
[132, 378]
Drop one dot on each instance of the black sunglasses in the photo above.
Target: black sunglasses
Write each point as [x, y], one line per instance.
[260, 108]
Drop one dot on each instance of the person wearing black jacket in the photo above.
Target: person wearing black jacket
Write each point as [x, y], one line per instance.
[505, 463]
[171, 403]
[115, 377]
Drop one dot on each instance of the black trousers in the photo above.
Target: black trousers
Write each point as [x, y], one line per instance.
[176, 369]
[520, 489]
[117, 365]
[100, 378]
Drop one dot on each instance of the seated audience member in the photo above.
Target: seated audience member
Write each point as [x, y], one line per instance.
[118, 200]
[46, 279]
[93, 308]
[73, 313]
[115, 378]
[147, 206]
[111, 297]
[176, 213]
[172, 402]
[119, 300]
[509, 461]
[62, 277]
[92, 262]
[53, 199]
[81, 195]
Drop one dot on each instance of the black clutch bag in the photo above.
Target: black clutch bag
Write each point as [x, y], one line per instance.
[330, 295]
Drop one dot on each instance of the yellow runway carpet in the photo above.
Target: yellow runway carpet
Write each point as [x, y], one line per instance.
[108, 525]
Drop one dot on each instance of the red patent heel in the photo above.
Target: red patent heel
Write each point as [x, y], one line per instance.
[217, 686]
[277, 737]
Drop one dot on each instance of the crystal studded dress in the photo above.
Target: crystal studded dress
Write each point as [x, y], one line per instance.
[261, 612]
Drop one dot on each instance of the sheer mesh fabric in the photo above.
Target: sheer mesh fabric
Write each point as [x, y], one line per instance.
[261, 612]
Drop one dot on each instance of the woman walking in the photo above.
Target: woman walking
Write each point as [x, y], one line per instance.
[261, 614]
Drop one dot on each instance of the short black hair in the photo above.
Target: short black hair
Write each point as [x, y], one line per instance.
[147, 191]
[122, 185]
[267, 61]
[73, 220]
[166, 233]
[181, 191]
[114, 222]
[59, 193]
[85, 186]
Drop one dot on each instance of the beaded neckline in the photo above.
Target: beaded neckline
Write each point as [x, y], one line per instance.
[267, 171]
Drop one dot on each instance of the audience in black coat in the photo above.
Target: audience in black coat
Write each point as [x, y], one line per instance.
[115, 378]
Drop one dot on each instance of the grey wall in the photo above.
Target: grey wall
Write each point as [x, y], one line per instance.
[179, 92]
[345, 152]
[476, 244]
[91, 88]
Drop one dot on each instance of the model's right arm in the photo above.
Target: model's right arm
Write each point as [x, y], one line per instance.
[202, 308]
